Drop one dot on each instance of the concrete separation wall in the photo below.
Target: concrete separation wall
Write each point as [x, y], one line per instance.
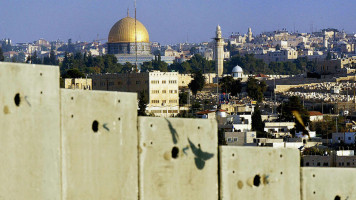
[30, 132]
[74, 144]
[328, 183]
[99, 145]
[178, 158]
[259, 173]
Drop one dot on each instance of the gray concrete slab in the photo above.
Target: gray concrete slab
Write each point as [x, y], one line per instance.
[30, 132]
[328, 183]
[259, 173]
[178, 159]
[99, 145]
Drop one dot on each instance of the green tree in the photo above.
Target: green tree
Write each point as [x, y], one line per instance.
[35, 59]
[73, 73]
[142, 103]
[257, 124]
[294, 104]
[198, 82]
[226, 84]
[256, 88]
[229, 85]
[52, 58]
[328, 56]
[127, 67]
[2, 58]
[236, 88]
[183, 98]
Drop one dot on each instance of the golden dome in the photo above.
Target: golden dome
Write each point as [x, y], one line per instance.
[124, 31]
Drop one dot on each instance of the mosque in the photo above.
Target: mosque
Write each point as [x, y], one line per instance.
[124, 43]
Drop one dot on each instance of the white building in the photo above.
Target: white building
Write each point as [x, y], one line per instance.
[161, 88]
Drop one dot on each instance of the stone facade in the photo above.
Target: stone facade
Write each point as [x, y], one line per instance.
[161, 87]
[78, 83]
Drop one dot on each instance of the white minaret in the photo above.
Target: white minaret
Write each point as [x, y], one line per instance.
[219, 52]
[249, 35]
[325, 40]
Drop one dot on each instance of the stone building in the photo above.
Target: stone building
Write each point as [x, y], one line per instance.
[279, 55]
[161, 88]
[335, 66]
[78, 83]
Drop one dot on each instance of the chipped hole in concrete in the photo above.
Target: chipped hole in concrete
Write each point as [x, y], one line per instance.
[240, 184]
[281, 173]
[337, 197]
[119, 118]
[257, 180]
[41, 92]
[151, 125]
[118, 101]
[314, 192]
[313, 175]
[233, 155]
[233, 171]
[151, 142]
[281, 155]
[198, 127]
[17, 99]
[6, 110]
[72, 98]
[175, 152]
[95, 126]
[41, 74]
[72, 116]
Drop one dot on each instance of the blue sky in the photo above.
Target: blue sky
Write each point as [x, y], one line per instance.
[169, 21]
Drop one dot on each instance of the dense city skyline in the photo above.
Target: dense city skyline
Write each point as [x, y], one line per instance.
[169, 22]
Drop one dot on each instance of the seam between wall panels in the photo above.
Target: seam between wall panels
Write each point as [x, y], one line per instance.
[60, 145]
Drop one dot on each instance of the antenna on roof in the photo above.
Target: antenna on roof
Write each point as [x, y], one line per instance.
[135, 39]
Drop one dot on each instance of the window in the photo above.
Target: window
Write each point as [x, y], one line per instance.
[172, 81]
[349, 138]
[348, 164]
[138, 82]
[164, 91]
[229, 139]
[173, 91]
[155, 91]
[173, 101]
[163, 101]
[154, 101]
[318, 164]
[235, 139]
[307, 164]
[164, 82]
[326, 164]
[154, 82]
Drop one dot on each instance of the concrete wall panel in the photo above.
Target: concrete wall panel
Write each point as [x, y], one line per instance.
[328, 183]
[30, 132]
[99, 133]
[259, 173]
[178, 159]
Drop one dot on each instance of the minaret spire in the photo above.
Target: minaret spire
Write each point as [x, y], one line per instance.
[128, 12]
